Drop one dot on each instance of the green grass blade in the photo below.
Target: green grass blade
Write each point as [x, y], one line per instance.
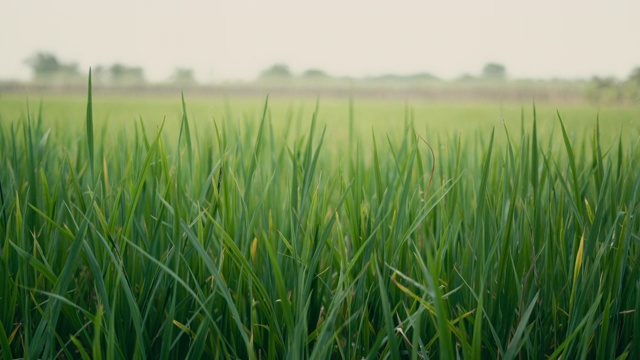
[386, 310]
[89, 119]
[519, 335]
[574, 171]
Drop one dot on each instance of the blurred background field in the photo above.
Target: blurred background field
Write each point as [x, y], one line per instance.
[433, 119]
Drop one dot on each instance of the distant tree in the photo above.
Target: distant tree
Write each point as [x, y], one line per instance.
[423, 77]
[417, 77]
[385, 78]
[46, 66]
[43, 63]
[100, 75]
[494, 71]
[315, 74]
[126, 75]
[276, 71]
[183, 76]
[631, 87]
[604, 90]
[634, 77]
[466, 77]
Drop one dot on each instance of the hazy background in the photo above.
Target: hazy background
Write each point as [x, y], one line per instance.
[237, 40]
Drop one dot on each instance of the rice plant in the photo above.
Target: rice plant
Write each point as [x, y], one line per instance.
[228, 241]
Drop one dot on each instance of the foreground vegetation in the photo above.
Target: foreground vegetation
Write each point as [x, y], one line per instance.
[231, 241]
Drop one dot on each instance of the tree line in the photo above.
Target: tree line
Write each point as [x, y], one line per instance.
[491, 71]
[48, 69]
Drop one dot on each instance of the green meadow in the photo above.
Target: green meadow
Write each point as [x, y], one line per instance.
[264, 228]
[383, 115]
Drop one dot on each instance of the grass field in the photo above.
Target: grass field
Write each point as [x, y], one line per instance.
[384, 115]
[241, 228]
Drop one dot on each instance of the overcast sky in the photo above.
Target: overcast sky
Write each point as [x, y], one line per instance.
[236, 40]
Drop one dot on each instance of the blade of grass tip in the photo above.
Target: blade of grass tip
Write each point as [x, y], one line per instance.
[485, 173]
[309, 171]
[256, 148]
[184, 129]
[574, 171]
[620, 157]
[45, 271]
[522, 131]
[143, 131]
[140, 183]
[351, 119]
[314, 118]
[351, 139]
[32, 161]
[534, 151]
[39, 118]
[404, 196]
[504, 254]
[14, 150]
[90, 127]
[433, 168]
[599, 158]
[376, 166]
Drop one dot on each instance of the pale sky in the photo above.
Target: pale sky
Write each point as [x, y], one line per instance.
[236, 40]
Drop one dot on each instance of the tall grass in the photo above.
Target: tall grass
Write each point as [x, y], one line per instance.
[258, 243]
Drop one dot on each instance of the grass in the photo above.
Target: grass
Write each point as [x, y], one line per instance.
[258, 235]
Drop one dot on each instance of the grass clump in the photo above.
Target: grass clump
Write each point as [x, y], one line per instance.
[229, 242]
